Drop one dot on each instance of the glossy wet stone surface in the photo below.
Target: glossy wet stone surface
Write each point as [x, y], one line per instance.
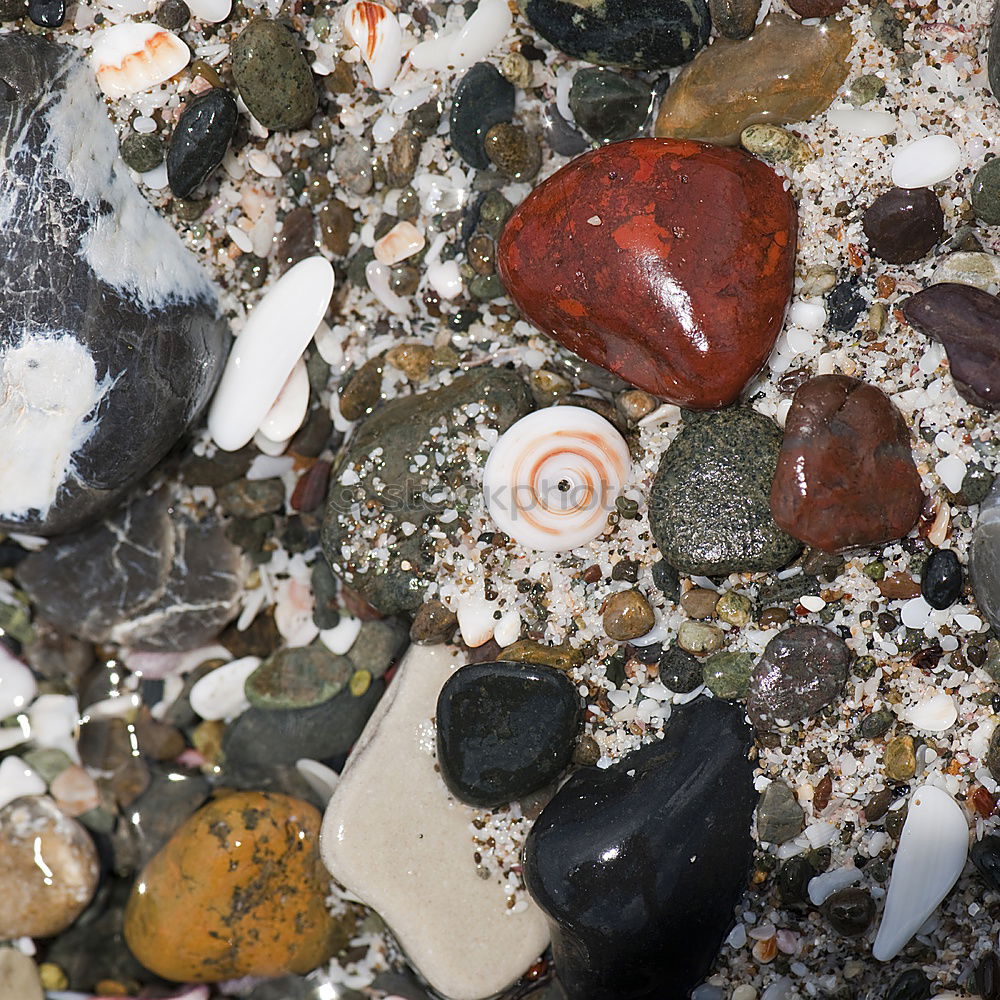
[941, 579]
[138, 332]
[784, 72]
[639, 866]
[720, 220]
[643, 34]
[967, 321]
[984, 558]
[483, 98]
[709, 504]
[845, 474]
[803, 669]
[505, 730]
[903, 225]
[607, 106]
[200, 140]
[734, 19]
[779, 815]
[238, 890]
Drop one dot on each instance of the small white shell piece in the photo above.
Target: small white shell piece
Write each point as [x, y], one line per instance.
[932, 851]
[934, 713]
[376, 32]
[289, 410]
[480, 35]
[276, 334]
[553, 477]
[130, 58]
[926, 161]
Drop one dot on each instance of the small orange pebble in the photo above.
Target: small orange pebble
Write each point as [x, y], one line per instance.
[982, 801]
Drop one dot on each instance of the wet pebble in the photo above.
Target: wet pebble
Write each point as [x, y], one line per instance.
[986, 193]
[775, 144]
[252, 497]
[803, 669]
[505, 730]
[727, 674]
[298, 677]
[941, 579]
[779, 815]
[865, 89]
[173, 14]
[849, 911]
[903, 225]
[273, 76]
[514, 152]
[296, 238]
[19, 976]
[698, 638]
[606, 105]
[560, 136]
[734, 19]
[886, 25]
[142, 152]
[679, 670]
[627, 615]
[200, 140]
[899, 760]
[47, 13]
[483, 98]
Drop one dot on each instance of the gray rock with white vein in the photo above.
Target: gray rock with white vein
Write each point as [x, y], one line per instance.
[110, 338]
[154, 576]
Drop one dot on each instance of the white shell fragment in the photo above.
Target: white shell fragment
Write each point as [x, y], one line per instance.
[926, 161]
[17, 779]
[933, 714]
[932, 851]
[276, 334]
[130, 58]
[219, 694]
[402, 241]
[17, 684]
[553, 477]
[861, 123]
[212, 11]
[376, 32]
[394, 838]
[289, 410]
[481, 34]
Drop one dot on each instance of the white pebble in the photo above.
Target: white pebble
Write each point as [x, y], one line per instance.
[737, 936]
[375, 30]
[862, 124]
[219, 694]
[263, 164]
[951, 471]
[289, 410]
[926, 161]
[808, 315]
[213, 11]
[53, 719]
[916, 613]
[143, 125]
[17, 684]
[481, 34]
[17, 779]
[340, 638]
[812, 603]
[475, 619]
[508, 629]
[830, 882]
[445, 278]
[402, 241]
[277, 332]
[933, 714]
[130, 58]
[971, 623]
[268, 446]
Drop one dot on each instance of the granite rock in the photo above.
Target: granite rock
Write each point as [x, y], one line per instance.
[152, 577]
[108, 356]
[639, 866]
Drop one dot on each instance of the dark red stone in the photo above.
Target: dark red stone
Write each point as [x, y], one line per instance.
[816, 8]
[903, 224]
[967, 321]
[845, 473]
[665, 261]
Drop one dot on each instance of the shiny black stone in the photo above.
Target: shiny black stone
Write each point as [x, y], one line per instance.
[845, 305]
[679, 670]
[560, 136]
[910, 985]
[941, 579]
[987, 976]
[985, 855]
[903, 224]
[850, 911]
[47, 13]
[200, 140]
[639, 867]
[505, 730]
[483, 98]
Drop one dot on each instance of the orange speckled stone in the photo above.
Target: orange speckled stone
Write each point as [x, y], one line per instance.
[238, 890]
[666, 261]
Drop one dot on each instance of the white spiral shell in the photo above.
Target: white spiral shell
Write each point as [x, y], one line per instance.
[553, 477]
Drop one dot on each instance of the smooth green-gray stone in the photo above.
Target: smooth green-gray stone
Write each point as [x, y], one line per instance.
[142, 152]
[986, 193]
[393, 578]
[710, 504]
[727, 674]
[378, 644]
[779, 815]
[272, 75]
[607, 106]
[865, 89]
[734, 19]
[299, 677]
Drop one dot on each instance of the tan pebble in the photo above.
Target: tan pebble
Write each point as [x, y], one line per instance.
[734, 608]
[634, 404]
[75, 791]
[433, 623]
[517, 70]
[775, 145]
[699, 602]
[877, 316]
[818, 280]
[413, 360]
[699, 638]
[52, 977]
[898, 759]
[19, 978]
[627, 615]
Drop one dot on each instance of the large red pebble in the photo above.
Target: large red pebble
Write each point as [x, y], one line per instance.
[845, 474]
[666, 261]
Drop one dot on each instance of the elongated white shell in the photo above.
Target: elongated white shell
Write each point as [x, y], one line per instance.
[932, 852]
[926, 161]
[554, 476]
[289, 410]
[480, 35]
[129, 58]
[278, 331]
[375, 30]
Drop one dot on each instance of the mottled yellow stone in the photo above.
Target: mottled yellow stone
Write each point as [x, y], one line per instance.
[239, 890]
[786, 71]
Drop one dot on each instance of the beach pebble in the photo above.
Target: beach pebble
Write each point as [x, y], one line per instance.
[48, 868]
[606, 105]
[863, 124]
[132, 57]
[779, 815]
[925, 161]
[17, 684]
[219, 694]
[454, 926]
[276, 334]
[903, 225]
[941, 578]
[986, 193]
[19, 976]
[483, 98]
[504, 730]
[200, 140]
[212, 11]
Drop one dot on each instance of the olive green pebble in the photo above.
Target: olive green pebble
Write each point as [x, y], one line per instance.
[986, 193]
[699, 638]
[142, 152]
[587, 752]
[727, 674]
[512, 151]
[865, 89]
[494, 213]
[775, 145]
[562, 657]
[899, 759]
[734, 608]
[877, 724]
[976, 483]
[272, 75]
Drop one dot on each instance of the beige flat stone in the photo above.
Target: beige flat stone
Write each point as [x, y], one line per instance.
[18, 977]
[395, 838]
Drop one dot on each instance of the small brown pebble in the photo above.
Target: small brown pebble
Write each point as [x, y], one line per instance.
[562, 657]
[878, 805]
[899, 759]
[514, 152]
[627, 615]
[310, 490]
[591, 574]
[75, 791]
[156, 739]
[982, 801]
[587, 752]
[699, 602]
[413, 360]
[336, 223]
[433, 623]
[634, 404]
[899, 587]
[772, 617]
[363, 390]
[821, 794]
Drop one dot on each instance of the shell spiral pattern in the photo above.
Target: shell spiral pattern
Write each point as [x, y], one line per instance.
[554, 476]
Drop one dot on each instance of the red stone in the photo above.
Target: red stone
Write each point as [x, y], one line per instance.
[845, 473]
[665, 261]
